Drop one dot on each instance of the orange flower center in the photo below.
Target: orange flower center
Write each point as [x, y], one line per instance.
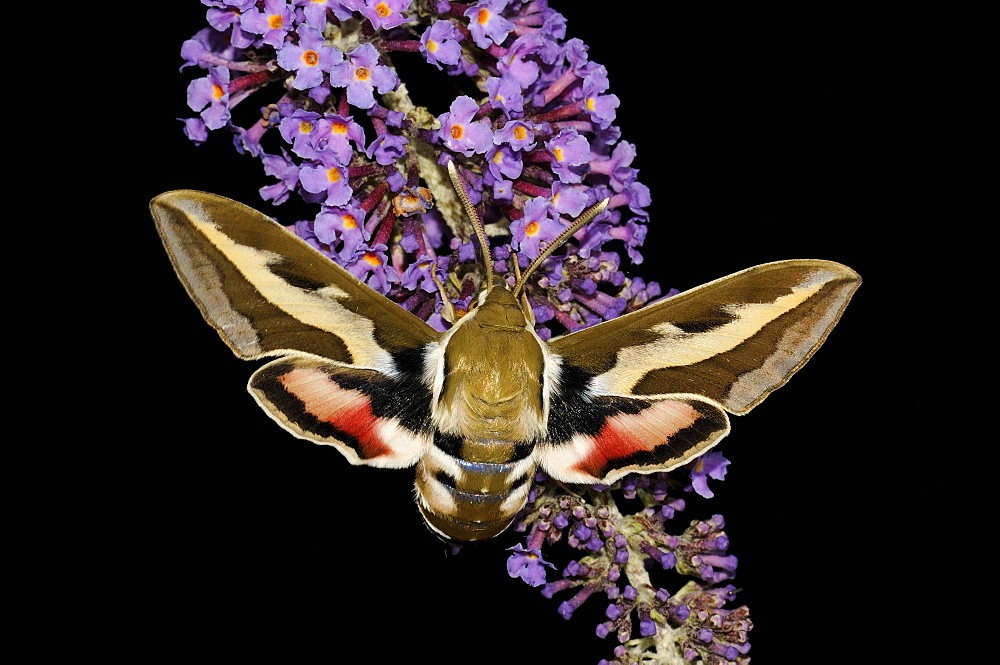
[483, 17]
[590, 103]
[276, 22]
[362, 73]
[311, 58]
[520, 132]
[432, 45]
[558, 153]
[333, 174]
[305, 126]
[217, 91]
[457, 132]
[372, 258]
[382, 9]
[338, 128]
[349, 221]
[531, 228]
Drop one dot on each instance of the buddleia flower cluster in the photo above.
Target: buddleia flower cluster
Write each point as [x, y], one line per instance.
[532, 137]
[328, 114]
[621, 554]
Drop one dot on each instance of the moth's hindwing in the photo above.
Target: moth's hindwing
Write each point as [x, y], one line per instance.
[648, 391]
[601, 438]
[371, 417]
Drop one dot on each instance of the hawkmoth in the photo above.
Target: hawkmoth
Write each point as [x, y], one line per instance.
[478, 408]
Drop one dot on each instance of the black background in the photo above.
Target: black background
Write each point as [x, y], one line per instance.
[762, 137]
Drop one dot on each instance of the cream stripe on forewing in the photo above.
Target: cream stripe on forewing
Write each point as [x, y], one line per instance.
[319, 308]
[676, 348]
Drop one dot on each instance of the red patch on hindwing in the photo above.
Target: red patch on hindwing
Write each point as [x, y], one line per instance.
[652, 437]
[347, 411]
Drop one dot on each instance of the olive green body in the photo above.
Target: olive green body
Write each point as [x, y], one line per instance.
[490, 410]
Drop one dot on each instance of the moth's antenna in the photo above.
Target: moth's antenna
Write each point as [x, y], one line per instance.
[588, 214]
[484, 244]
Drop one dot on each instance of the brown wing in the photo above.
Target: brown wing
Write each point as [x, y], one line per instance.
[734, 340]
[269, 293]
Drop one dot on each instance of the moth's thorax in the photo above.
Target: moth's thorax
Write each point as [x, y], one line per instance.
[493, 366]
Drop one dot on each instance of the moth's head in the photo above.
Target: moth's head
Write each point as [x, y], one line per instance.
[500, 292]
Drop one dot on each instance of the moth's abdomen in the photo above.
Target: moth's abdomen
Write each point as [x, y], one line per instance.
[471, 490]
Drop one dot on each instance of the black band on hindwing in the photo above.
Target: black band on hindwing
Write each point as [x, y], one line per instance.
[572, 410]
[706, 427]
[403, 397]
[267, 381]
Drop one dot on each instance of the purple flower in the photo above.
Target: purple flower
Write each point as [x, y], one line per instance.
[333, 136]
[195, 129]
[273, 23]
[210, 96]
[206, 44]
[632, 235]
[528, 565]
[618, 167]
[440, 44]
[516, 66]
[372, 269]
[314, 12]
[505, 94]
[503, 190]
[460, 133]
[223, 18]
[568, 149]
[567, 199]
[711, 464]
[342, 226]
[297, 129]
[287, 172]
[601, 107]
[329, 180]
[504, 162]
[418, 275]
[537, 226]
[361, 75]
[383, 14]
[308, 59]
[387, 148]
[517, 134]
[486, 24]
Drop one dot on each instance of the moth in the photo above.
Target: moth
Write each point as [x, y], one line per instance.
[477, 409]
